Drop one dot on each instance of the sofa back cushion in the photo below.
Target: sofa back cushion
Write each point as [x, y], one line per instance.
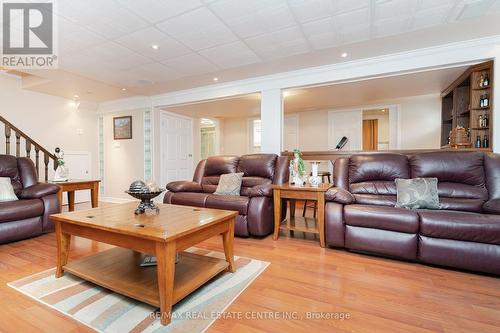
[257, 165]
[219, 165]
[461, 177]
[8, 168]
[372, 176]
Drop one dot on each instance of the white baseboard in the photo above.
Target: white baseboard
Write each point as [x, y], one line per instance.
[116, 200]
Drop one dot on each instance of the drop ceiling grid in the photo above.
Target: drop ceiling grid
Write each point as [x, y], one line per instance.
[113, 38]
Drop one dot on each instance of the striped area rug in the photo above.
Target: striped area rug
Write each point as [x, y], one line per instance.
[106, 311]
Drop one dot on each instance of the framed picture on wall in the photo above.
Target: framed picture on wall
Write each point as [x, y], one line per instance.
[122, 128]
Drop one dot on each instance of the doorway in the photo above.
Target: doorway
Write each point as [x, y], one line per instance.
[208, 138]
[176, 145]
[376, 129]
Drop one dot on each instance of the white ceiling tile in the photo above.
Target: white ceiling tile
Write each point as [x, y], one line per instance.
[104, 17]
[155, 11]
[389, 27]
[73, 37]
[474, 9]
[198, 29]
[119, 57]
[141, 42]
[309, 10]
[390, 9]
[426, 18]
[251, 18]
[278, 44]
[190, 64]
[155, 72]
[322, 33]
[230, 55]
[354, 34]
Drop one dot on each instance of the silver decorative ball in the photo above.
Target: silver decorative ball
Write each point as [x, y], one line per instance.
[138, 186]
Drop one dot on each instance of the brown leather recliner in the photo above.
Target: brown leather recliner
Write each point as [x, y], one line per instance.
[28, 216]
[465, 233]
[255, 203]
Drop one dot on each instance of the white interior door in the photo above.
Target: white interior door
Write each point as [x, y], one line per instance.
[79, 164]
[348, 124]
[176, 148]
[291, 132]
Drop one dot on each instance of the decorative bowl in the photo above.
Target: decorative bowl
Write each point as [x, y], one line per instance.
[146, 199]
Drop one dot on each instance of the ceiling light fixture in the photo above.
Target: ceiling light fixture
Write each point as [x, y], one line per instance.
[344, 55]
[155, 47]
[124, 89]
[75, 97]
[216, 79]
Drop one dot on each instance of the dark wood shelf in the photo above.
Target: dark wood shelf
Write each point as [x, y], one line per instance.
[461, 102]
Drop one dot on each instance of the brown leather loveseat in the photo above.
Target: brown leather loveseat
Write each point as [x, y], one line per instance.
[255, 203]
[360, 213]
[28, 216]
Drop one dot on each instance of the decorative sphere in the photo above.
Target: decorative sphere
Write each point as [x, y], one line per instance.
[138, 186]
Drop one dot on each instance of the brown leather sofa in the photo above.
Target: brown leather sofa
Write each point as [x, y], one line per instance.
[28, 216]
[255, 203]
[360, 213]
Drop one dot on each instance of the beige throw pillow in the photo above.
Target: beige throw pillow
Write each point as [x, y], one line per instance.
[6, 190]
[229, 184]
[417, 193]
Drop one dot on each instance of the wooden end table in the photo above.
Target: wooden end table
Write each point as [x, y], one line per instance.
[304, 224]
[172, 230]
[73, 185]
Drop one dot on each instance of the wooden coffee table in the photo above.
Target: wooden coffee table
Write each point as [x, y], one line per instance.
[174, 229]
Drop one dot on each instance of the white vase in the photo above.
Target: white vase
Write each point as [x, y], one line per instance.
[314, 180]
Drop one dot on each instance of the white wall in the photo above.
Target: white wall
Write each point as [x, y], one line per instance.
[234, 136]
[419, 122]
[49, 120]
[123, 159]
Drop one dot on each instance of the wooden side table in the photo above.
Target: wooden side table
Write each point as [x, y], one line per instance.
[305, 192]
[73, 185]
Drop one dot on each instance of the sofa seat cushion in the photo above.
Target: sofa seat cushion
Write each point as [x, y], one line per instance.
[189, 199]
[20, 210]
[465, 226]
[228, 202]
[382, 217]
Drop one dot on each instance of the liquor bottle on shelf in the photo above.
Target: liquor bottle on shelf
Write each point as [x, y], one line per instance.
[478, 142]
[481, 121]
[481, 80]
[486, 81]
[485, 121]
[486, 142]
[481, 101]
[486, 100]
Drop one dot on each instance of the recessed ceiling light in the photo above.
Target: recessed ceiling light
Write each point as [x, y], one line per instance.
[124, 89]
[216, 79]
[155, 47]
[76, 96]
[344, 55]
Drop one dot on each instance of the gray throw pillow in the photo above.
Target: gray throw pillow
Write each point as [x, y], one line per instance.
[6, 190]
[417, 193]
[229, 184]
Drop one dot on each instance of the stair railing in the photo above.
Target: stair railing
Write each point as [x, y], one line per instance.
[29, 145]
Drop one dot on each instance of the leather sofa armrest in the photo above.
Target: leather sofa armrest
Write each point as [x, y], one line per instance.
[492, 206]
[184, 186]
[339, 195]
[265, 190]
[38, 191]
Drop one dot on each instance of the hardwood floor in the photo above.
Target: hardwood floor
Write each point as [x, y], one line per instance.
[379, 295]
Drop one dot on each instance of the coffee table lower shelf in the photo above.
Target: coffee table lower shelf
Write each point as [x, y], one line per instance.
[118, 269]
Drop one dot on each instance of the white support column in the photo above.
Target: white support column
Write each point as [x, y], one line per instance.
[496, 103]
[271, 114]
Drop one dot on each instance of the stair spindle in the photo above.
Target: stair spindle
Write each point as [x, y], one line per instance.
[46, 160]
[37, 161]
[18, 144]
[7, 139]
[28, 149]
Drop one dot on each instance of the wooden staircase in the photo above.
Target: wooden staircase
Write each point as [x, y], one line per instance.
[25, 143]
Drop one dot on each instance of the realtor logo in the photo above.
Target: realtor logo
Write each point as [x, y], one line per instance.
[28, 35]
